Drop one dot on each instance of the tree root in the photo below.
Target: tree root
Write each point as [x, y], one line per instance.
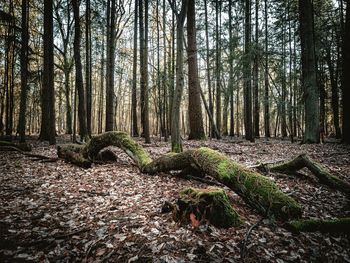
[304, 161]
[37, 157]
[341, 225]
[24, 147]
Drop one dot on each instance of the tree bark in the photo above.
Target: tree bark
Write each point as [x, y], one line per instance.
[134, 127]
[48, 119]
[266, 94]
[194, 99]
[78, 73]
[311, 92]
[24, 71]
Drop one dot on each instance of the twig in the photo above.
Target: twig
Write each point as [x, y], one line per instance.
[37, 156]
[94, 193]
[244, 246]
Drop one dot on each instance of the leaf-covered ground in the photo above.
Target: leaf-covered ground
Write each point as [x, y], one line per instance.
[56, 212]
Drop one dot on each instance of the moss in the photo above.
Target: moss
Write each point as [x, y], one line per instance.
[121, 140]
[210, 204]
[176, 147]
[257, 190]
[341, 225]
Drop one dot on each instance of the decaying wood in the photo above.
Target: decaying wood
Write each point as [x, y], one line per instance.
[205, 205]
[304, 161]
[257, 190]
[24, 147]
[340, 225]
[37, 157]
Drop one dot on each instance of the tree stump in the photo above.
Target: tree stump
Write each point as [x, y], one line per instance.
[206, 205]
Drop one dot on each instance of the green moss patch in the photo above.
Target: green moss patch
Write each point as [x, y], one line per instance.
[340, 225]
[206, 205]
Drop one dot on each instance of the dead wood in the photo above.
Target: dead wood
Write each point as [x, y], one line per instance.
[304, 161]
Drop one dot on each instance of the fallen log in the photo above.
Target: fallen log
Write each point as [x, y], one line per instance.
[257, 190]
[339, 225]
[73, 153]
[25, 147]
[206, 205]
[304, 161]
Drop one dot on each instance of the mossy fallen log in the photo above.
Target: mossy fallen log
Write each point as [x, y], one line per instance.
[206, 205]
[120, 140]
[25, 147]
[73, 153]
[339, 225]
[257, 190]
[304, 161]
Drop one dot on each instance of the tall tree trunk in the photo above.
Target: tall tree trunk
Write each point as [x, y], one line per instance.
[176, 143]
[144, 69]
[211, 107]
[311, 92]
[88, 65]
[48, 129]
[24, 71]
[194, 99]
[266, 95]
[248, 125]
[135, 131]
[256, 120]
[334, 89]
[218, 64]
[346, 77]
[230, 81]
[79, 73]
[111, 6]
[284, 84]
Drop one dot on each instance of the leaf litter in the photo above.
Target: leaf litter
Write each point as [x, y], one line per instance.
[56, 212]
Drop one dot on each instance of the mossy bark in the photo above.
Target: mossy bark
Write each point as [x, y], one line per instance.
[207, 205]
[73, 153]
[258, 191]
[341, 225]
[25, 147]
[303, 161]
[120, 140]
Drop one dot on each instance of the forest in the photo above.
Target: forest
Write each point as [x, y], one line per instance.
[174, 131]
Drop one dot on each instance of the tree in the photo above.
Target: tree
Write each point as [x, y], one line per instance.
[24, 71]
[266, 75]
[88, 81]
[134, 127]
[78, 73]
[143, 20]
[111, 6]
[256, 74]
[247, 73]
[308, 62]
[176, 143]
[194, 99]
[346, 77]
[48, 123]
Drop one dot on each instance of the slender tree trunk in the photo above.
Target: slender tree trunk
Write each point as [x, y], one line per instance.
[311, 92]
[346, 77]
[110, 65]
[230, 81]
[88, 65]
[24, 71]
[144, 70]
[284, 84]
[48, 123]
[135, 131]
[256, 74]
[176, 143]
[248, 125]
[194, 99]
[217, 64]
[266, 95]
[211, 106]
[79, 73]
[334, 89]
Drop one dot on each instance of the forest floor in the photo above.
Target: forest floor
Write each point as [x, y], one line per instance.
[57, 212]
